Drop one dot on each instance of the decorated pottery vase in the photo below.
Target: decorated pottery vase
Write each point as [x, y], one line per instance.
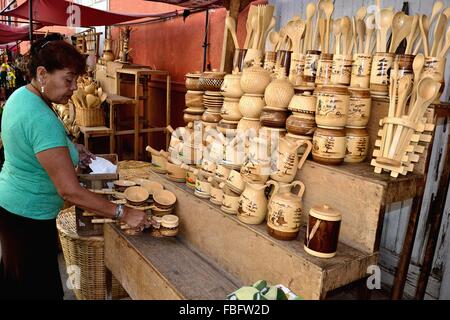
[382, 64]
[297, 68]
[285, 211]
[255, 79]
[342, 69]
[357, 144]
[252, 204]
[311, 64]
[359, 107]
[279, 92]
[434, 68]
[324, 69]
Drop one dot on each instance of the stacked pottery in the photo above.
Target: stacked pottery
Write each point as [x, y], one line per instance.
[232, 93]
[211, 82]
[302, 123]
[357, 136]
[331, 117]
[193, 98]
[254, 81]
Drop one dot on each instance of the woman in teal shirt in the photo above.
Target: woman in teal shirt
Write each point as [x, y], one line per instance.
[38, 175]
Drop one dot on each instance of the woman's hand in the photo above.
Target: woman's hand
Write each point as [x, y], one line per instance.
[136, 219]
[85, 155]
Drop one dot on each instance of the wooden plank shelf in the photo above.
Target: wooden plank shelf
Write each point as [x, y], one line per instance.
[163, 268]
[248, 253]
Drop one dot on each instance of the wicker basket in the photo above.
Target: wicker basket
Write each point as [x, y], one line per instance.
[88, 254]
[89, 117]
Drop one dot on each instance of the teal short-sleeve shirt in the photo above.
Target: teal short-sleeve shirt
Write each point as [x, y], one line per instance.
[29, 126]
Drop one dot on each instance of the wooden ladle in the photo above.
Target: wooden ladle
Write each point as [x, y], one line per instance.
[231, 25]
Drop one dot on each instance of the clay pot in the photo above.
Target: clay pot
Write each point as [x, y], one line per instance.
[136, 196]
[322, 231]
[250, 105]
[298, 125]
[342, 69]
[382, 63]
[332, 106]
[304, 104]
[359, 107]
[235, 182]
[329, 146]
[255, 79]
[324, 67]
[108, 56]
[164, 199]
[274, 117]
[361, 67]
[169, 225]
[285, 211]
[230, 203]
[357, 144]
[230, 110]
[231, 87]
[255, 170]
[193, 81]
[311, 64]
[279, 92]
[252, 204]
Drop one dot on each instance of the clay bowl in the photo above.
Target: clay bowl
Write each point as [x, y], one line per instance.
[211, 80]
[151, 186]
[121, 185]
[193, 81]
[136, 196]
[300, 126]
[273, 117]
[164, 199]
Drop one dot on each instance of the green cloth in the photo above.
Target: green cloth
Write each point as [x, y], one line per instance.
[29, 126]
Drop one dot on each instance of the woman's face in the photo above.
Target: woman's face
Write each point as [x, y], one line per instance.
[59, 85]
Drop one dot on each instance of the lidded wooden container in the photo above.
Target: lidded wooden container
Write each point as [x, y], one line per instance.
[322, 231]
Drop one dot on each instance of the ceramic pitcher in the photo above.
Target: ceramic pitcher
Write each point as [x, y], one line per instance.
[253, 204]
[285, 211]
[287, 161]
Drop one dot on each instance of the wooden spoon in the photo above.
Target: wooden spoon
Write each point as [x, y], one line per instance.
[272, 23]
[328, 9]
[361, 13]
[423, 24]
[316, 28]
[401, 25]
[443, 52]
[248, 26]
[438, 33]
[274, 38]
[231, 25]
[447, 12]
[437, 7]
[361, 31]
[412, 34]
[310, 11]
[336, 30]
[345, 31]
[418, 63]
[370, 27]
[386, 17]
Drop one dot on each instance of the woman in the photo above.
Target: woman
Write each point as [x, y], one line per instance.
[38, 175]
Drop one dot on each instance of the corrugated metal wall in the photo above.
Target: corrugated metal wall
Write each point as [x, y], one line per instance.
[397, 215]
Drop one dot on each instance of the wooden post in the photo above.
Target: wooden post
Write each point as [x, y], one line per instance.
[436, 212]
[408, 244]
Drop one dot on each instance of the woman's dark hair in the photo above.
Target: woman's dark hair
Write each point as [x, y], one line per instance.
[53, 53]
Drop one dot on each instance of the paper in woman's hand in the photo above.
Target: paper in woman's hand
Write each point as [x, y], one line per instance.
[101, 165]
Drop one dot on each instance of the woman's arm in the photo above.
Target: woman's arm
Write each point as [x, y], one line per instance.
[57, 163]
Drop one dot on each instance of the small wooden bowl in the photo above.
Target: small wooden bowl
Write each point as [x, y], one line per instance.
[136, 196]
[164, 199]
[152, 186]
[273, 117]
[121, 185]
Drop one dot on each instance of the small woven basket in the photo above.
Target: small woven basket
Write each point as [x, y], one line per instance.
[87, 255]
[89, 117]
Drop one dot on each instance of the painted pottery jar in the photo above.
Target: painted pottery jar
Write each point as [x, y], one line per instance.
[256, 170]
[382, 64]
[252, 204]
[286, 162]
[329, 146]
[211, 80]
[322, 231]
[285, 211]
[274, 117]
[298, 125]
[324, 69]
[202, 185]
[357, 144]
[405, 65]
[279, 92]
[255, 79]
[230, 110]
[434, 68]
[332, 106]
[362, 64]
[341, 70]
[311, 63]
[270, 58]
[359, 107]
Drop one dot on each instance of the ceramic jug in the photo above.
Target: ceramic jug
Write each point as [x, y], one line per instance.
[287, 161]
[285, 211]
[252, 204]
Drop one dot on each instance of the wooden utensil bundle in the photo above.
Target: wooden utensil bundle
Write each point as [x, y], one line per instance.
[403, 129]
[260, 22]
